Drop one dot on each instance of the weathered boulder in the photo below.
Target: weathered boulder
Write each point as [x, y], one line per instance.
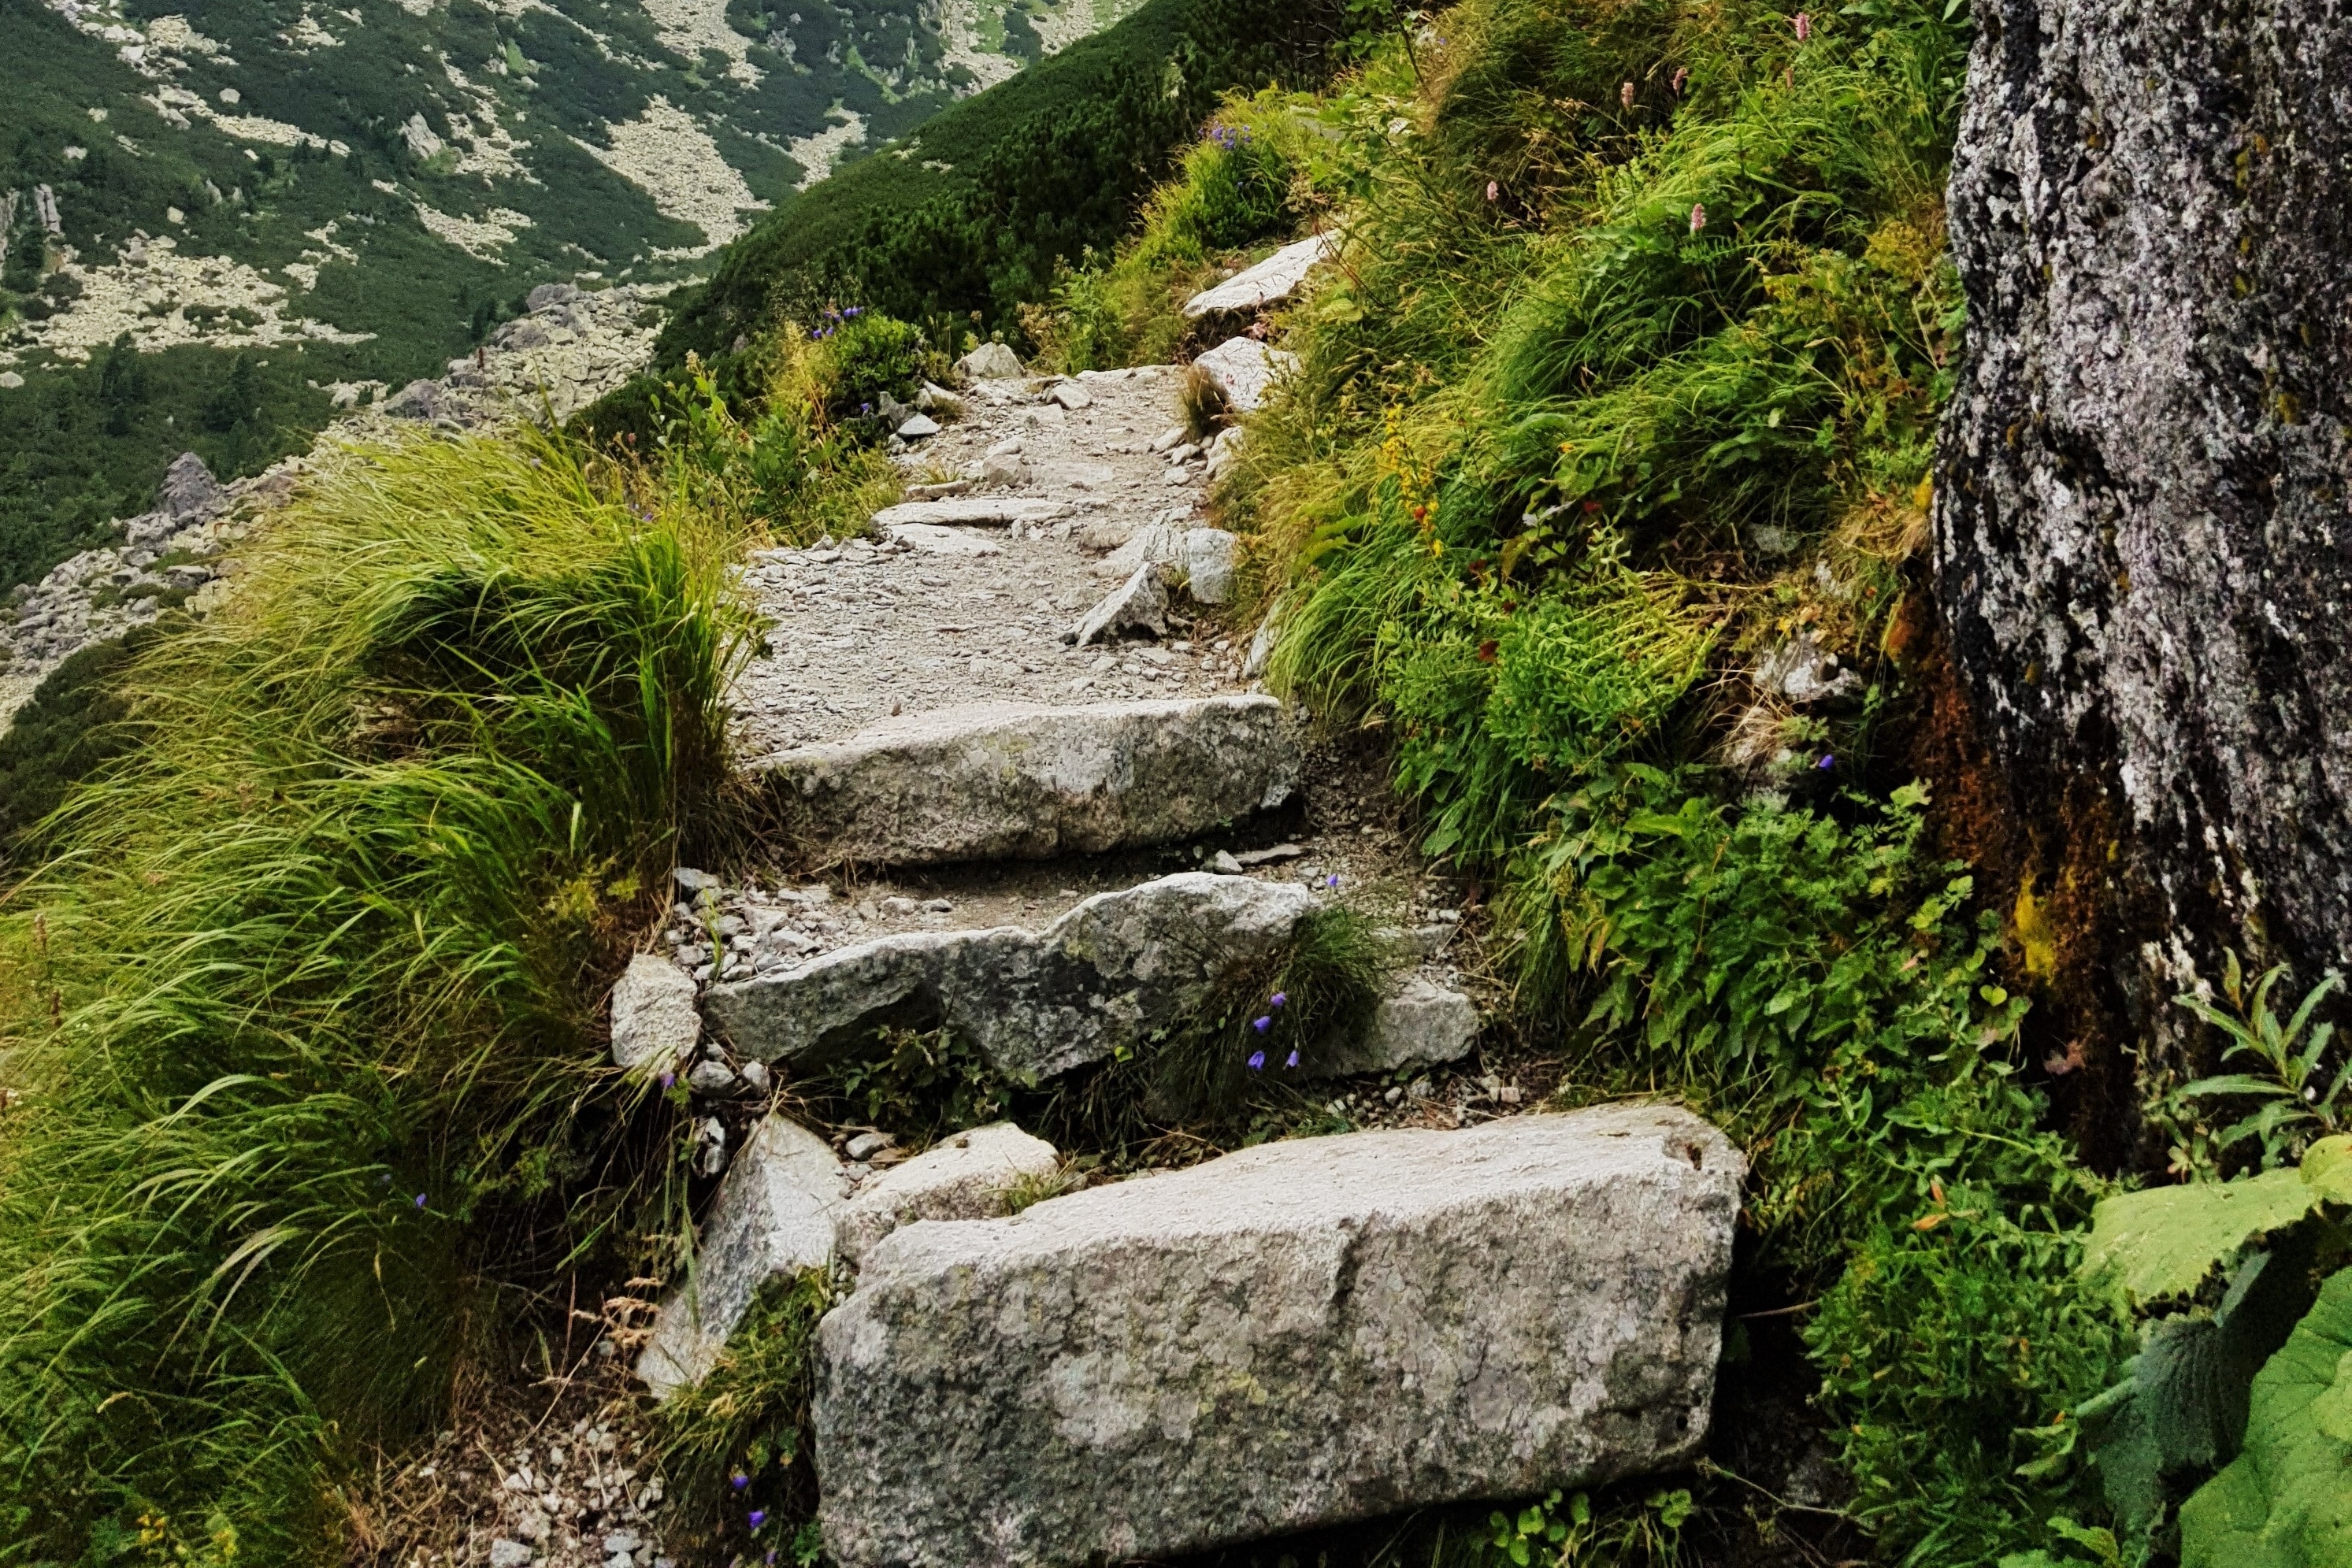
[1270, 282]
[1103, 976]
[1012, 782]
[2141, 532]
[1209, 565]
[1418, 1022]
[1300, 1334]
[654, 1025]
[966, 1175]
[989, 362]
[1245, 368]
[1139, 604]
[778, 1214]
[190, 493]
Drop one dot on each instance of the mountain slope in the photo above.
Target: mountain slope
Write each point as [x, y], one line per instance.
[346, 196]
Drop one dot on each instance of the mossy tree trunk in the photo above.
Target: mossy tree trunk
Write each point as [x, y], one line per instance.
[2144, 539]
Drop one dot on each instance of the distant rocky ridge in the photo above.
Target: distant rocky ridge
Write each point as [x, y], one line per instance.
[572, 346]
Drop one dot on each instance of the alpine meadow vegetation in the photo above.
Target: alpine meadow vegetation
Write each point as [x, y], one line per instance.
[1609, 418]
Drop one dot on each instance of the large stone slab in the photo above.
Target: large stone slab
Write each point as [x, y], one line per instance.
[1004, 781]
[1300, 1334]
[969, 511]
[1101, 978]
[1271, 281]
[777, 1214]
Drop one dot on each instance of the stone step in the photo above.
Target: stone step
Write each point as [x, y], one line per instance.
[1301, 1335]
[1037, 1003]
[1007, 781]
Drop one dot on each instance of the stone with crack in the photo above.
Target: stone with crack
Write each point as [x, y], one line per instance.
[1098, 980]
[777, 1215]
[1138, 605]
[1301, 1335]
[1008, 781]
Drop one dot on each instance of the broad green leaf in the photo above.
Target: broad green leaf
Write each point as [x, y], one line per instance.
[2165, 1241]
[2286, 1501]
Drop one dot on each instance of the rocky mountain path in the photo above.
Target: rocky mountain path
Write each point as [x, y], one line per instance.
[938, 614]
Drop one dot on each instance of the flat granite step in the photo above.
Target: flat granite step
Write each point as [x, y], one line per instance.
[1300, 1334]
[1006, 781]
[1102, 976]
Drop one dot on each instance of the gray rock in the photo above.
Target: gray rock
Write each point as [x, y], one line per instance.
[1245, 368]
[1261, 647]
[1419, 1022]
[1004, 468]
[149, 529]
[505, 1553]
[1209, 565]
[989, 362]
[694, 880]
[938, 399]
[1301, 1335]
[966, 1175]
[1006, 781]
[931, 539]
[1160, 542]
[1037, 1003]
[190, 493]
[776, 1216]
[918, 427]
[547, 296]
[1072, 396]
[711, 1078]
[1270, 282]
[1139, 604]
[968, 511]
[654, 1025]
[1807, 673]
[418, 400]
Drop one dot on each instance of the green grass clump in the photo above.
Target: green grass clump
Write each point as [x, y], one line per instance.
[71, 728]
[302, 1032]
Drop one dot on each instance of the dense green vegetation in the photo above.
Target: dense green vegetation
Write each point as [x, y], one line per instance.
[968, 218]
[72, 726]
[81, 443]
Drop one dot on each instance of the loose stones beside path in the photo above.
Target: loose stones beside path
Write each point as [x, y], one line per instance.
[1036, 1003]
[1002, 782]
[777, 1214]
[1302, 1333]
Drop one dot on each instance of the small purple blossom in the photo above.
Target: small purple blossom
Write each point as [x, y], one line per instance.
[1331, 881]
[739, 1480]
[669, 1078]
[1257, 1062]
[1279, 998]
[420, 1200]
[1828, 761]
[759, 1517]
[1293, 1060]
[1262, 1025]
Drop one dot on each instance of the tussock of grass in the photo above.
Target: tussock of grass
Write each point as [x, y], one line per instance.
[310, 1071]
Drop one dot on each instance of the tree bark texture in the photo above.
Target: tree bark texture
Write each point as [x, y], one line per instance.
[2143, 535]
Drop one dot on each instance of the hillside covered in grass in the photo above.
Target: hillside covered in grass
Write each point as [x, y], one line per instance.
[310, 201]
[1591, 501]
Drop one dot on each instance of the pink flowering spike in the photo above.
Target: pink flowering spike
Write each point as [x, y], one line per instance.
[1698, 217]
[1803, 22]
[1625, 96]
[1493, 190]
